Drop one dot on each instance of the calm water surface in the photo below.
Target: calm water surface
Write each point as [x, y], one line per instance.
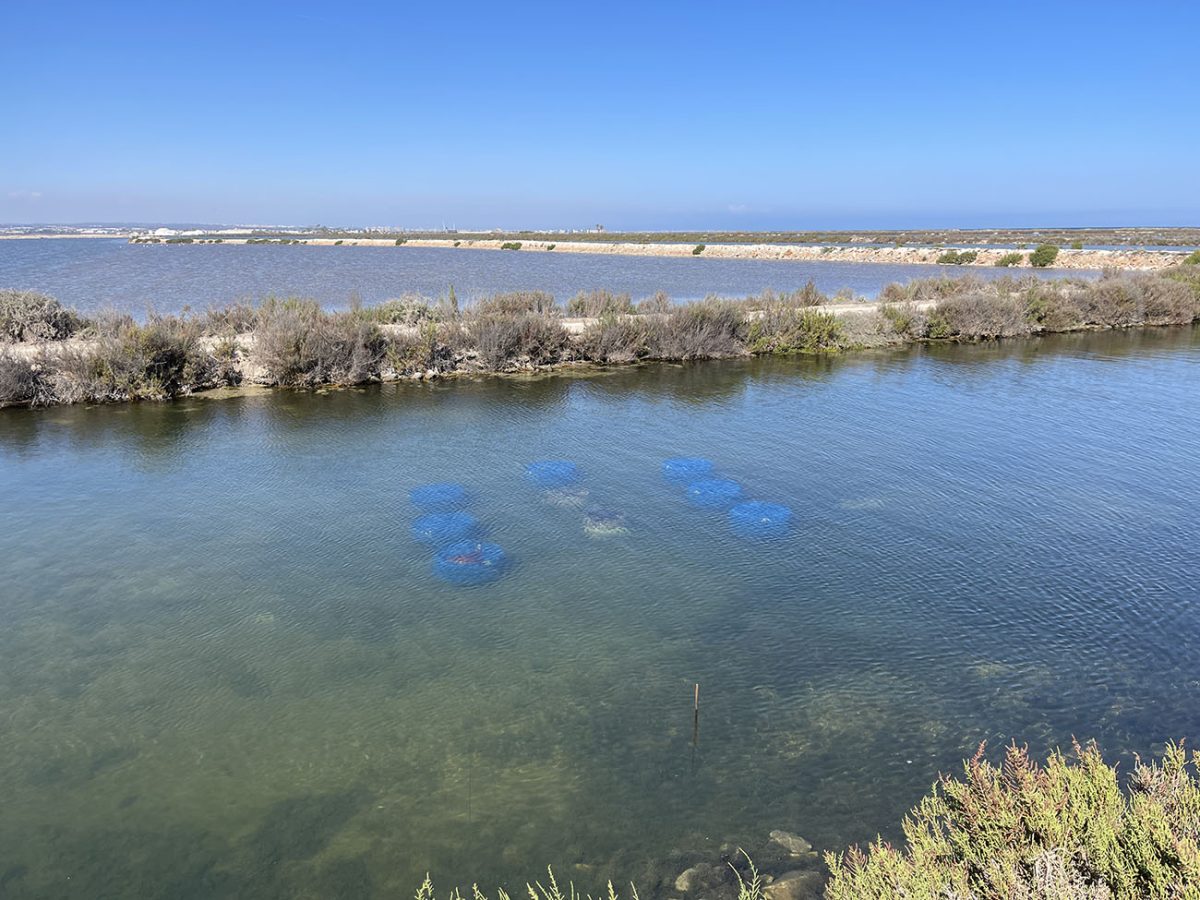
[227, 670]
[94, 274]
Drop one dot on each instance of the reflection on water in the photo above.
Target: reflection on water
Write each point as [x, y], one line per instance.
[98, 274]
[228, 670]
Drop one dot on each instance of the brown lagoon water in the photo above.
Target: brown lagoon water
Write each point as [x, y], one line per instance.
[227, 669]
[95, 274]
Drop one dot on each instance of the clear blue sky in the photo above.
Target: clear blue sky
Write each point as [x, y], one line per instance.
[635, 115]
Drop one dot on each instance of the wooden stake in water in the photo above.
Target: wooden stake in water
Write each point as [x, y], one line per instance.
[696, 718]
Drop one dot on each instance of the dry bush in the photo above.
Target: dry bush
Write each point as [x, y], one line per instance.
[299, 345]
[411, 309]
[659, 304]
[925, 289]
[805, 296]
[624, 339]
[236, 318]
[594, 304]
[1139, 299]
[23, 382]
[516, 302]
[514, 340]
[979, 314]
[709, 329]
[32, 316]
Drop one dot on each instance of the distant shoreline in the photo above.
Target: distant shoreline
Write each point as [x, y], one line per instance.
[1131, 259]
[125, 235]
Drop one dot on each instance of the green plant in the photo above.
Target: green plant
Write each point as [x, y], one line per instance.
[1192, 259]
[789, 330]
[551, 246]
[1043, 256]
[1010, 259]
[511, 245]
[457, 243]
[1064, 831]
[400, 241]
[1076, 245]
[697, 250]
[958, 257]
[338, 243]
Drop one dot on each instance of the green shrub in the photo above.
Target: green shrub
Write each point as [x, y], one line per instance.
[958, 257]
[551, 246]
[1010, 259]
[511, 245]
[1077, 245]
[905, 320]
[1043, 256]
[1192, 259]
[591, 304]
[789, 330]
[32, 316]
[1064, 831]
[338, 243]
[400, 241]
[179, 240]
[697, 250]
[457, 243]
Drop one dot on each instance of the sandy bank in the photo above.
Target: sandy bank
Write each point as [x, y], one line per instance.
[1132, 259]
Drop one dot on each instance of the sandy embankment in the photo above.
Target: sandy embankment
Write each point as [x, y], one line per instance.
[988, 256]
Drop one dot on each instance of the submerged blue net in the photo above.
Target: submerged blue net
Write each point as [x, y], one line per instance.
[469, 562]
[552, 473]
[759, 519]
[684, 469]
[713, 492]
[443, 496]
[443, 527]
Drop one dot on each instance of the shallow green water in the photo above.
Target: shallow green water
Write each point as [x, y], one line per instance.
[226, 669]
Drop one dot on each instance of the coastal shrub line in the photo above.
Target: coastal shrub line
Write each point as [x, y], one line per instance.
[1062, 830]
[1073, 828]
[50, 354]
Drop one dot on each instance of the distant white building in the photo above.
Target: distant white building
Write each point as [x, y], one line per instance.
[164, 232]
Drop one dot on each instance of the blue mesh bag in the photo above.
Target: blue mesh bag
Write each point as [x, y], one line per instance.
[713, 493]
[444, 496]
[759, 519]
[685, 469]
[469, 562]
[441, 528]
[552, 473]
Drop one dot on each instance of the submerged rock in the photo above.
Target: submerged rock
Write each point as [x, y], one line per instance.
[792, 843]
[698, 877]
[796, 885]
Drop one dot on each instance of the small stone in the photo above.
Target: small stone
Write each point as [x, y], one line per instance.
[795, 886]
[792, 843]
[696, 877]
